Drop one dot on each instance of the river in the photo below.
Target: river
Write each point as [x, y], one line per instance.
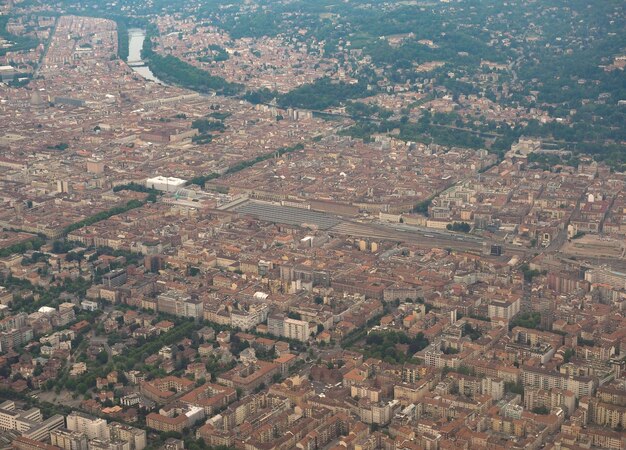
[136, 37]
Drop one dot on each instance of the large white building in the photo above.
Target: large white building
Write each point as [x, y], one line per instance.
[136, 437]
[279, 325]
[504, 309]
[165, 184]
[378, 413]
[29, 423]
[179, 304]
[246, 320]
[546, 379]
[92, 427]
[296, 329]
[69, 440]
[616, 280]
[12, 418]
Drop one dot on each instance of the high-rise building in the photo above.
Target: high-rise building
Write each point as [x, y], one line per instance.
[69, 440]
[92, 427]
[296, 329]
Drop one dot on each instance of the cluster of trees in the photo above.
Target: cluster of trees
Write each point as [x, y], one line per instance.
[249, 163]
[614, 155]
[103, 215]
[551, 73]
[529, 273]
[140, 352]
[260, 96]
[128, 257]
[559, 73]
[61, 147]
[450, 130]
[218, 54]
[365, 26]
[122, 40]
[266, 355]
[202, 139]
[422, 207]
[253, 24]
[220, 115]
[323, 93]
[136, 187]
[201, 180]
[173, 70]
[427, 129]
[75, 256]
[34, 258]
[46, 297]
[10, 282]
[450, 351]
[32, 244]
[359, 334]
[360, 109]
[204, 126]
[463, 227]
[364, 129]
[515, 388]
[387, 345]
[237, 345]
[547, 161]
[530, 319]
[594, 131]
[20, 43]
[214, 364]
[448, 47]
[586, 342]
[472, 332]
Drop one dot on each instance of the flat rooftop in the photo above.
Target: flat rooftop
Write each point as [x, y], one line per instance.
[287, 215]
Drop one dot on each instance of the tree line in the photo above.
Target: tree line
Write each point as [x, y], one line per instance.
[201, 180]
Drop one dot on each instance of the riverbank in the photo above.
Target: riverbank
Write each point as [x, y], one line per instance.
[136, 39]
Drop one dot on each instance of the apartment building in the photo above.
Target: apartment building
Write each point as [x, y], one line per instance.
[546, 379]
[90, 426]
[69, 440]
